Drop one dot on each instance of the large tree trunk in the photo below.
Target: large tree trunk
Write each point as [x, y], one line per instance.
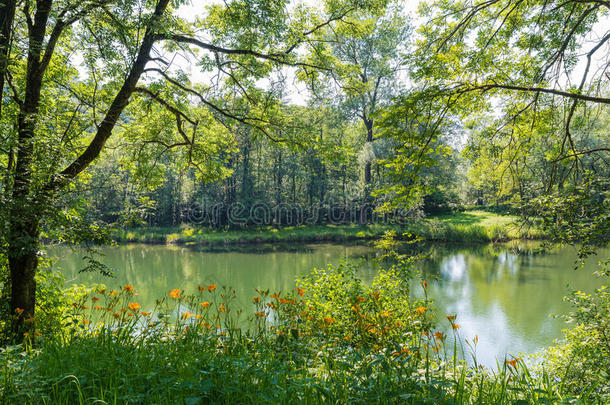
[23, 261]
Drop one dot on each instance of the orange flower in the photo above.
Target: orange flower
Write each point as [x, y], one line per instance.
[438, 335]
[420, 310]
[285, 301]
[476, 339]
[101, 291]
[455, 326]
[211, 287]
[86, 322]
[145, 313]
[186, 315]
[128, 287]
[222, 308]
[30, 320]
[424, 285]
[513, 362]
[19, 311]
[300, 291]
[375, 294]
[97, 307]
[451, 318]
[116, 315]
[201, 288]
[256, 300]
[384, 314]
[134, 306]
[175, 293]
[276, 295]
[113, 292]
[36, 333]
[359, 298]
[260, 314]
[204, 304]
[329, 320]
[95, 299]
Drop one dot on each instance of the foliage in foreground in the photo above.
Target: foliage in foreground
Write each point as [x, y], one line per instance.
[333, 339]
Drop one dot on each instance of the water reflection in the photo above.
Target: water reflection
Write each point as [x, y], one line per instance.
[502, 293]
[505, 297]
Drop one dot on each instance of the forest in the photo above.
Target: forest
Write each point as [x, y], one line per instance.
[304, 201]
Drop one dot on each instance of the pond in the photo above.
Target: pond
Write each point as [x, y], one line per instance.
[503, 293]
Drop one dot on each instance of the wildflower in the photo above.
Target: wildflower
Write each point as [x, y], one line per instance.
[186, 315]
[260, 314]
[425, 333]
[113, 293]
[83, 307]
[30, 320]
[424, 285]
[276, 295]
[134, 306]
[175, 293]
[455, 326]
[97, 307]
[36, 333]
[347, 338]
[128, 288]
[438, 335]
[512, 362]
[197, 316]
[329, 320]
[95, 299]
[384, 314]
[222, 308]
[256, 300]
[359, 298]
[145, 313]
[201, 288]
[116, 315]
[476, 339]
[300, 291]
[101, 291]
[86, 322]
[451, 318]
[204, 304]
[285, 301]
[420, 310]
[211, 287]
[375, 294]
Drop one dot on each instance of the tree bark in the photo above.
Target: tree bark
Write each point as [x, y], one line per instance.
[26, 203]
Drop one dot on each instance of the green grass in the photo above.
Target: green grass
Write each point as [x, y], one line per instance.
[471, 226]
[316, 349]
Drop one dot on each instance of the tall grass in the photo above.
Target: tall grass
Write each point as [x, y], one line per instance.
[331, 340]
[473, 227]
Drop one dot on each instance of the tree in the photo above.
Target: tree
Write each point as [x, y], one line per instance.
[368, 61]
[59, 114]
[523, 54]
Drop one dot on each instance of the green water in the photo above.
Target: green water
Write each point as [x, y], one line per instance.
[502, 293]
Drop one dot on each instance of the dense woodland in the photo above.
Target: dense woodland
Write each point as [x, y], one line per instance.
[139, 113]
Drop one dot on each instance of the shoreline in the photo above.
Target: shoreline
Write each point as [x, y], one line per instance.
[469, 227]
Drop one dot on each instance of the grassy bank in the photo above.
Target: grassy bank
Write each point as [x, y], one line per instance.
[331, 340]
[470, 226]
